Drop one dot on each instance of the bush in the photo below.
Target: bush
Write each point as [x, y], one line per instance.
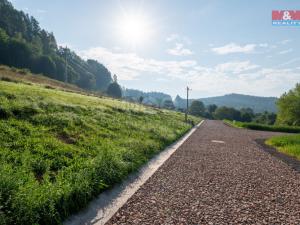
[24, 71]
[8, 79]
[114, 90]
[289, 107]
[5, 113]
[39, 168]
[24, 111]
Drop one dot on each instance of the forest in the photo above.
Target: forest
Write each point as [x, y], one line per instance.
[24, 44]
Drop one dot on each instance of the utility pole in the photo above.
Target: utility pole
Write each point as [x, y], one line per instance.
[187, 104]
[66, 65]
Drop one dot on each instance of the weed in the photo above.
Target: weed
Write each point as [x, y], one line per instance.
[289, 145]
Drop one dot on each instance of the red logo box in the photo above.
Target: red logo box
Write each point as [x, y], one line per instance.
[286, 15]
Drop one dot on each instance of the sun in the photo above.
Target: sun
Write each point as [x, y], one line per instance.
[134, 28]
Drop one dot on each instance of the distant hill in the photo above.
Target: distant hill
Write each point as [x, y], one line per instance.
[238, 101]
[149, 98]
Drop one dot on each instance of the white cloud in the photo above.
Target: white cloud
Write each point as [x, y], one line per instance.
[179, 38]
[288, 62]
[264, 82]
[129, 65]
[234, 48]
[284, 42]
[172, 37]
[236, 67]
[179, 50]
[285, 51]
[230, 77]
[263, 45]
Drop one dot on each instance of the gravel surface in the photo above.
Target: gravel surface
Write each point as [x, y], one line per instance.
[209, 182]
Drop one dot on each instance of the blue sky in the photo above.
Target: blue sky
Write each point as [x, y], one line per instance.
[215, 47]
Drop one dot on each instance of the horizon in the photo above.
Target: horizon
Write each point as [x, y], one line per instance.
[162, 46]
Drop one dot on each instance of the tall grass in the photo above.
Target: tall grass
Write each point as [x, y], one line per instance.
[289, 145]
[58, 150]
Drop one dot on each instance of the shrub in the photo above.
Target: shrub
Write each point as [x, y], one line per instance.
[39, 168]
[24, 71]
[5, 113]
[8, 79]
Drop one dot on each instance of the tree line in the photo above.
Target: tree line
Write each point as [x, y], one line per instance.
[24, 44]
[197, 108]
[289, 107]
[288, 111]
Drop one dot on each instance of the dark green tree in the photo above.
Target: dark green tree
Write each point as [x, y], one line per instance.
[46, 66]
[247, 114]
[265, 118]
[197, 108]
[168, 104]
[114, 90]
[24, 44]
[4, 40]
[86, 81]
[19, 54]
[141, 98]
[102, 75]
[289, 107]
[212, 108]
[227, 113]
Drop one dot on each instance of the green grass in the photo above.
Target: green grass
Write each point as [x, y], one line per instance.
[25, 76]
[58, 150]
[256, 126]
[289, 145]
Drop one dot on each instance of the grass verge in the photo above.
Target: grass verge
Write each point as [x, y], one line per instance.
[58, 150]
[263, 127]
[289, 145]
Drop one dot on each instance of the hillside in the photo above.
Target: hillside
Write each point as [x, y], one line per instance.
[238, 101]
[60, 149]
[24, 44]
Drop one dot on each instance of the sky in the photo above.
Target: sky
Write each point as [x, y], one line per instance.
[215, 47]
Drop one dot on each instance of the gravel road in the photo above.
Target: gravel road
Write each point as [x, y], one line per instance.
[218, 176]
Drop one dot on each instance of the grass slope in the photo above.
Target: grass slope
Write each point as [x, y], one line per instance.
[59, 149]
[25, 76]
[256, 126]
[289, 145]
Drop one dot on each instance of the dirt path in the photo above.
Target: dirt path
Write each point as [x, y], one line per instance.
[218, 176]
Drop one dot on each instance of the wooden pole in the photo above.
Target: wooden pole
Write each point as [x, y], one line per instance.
[187, 104]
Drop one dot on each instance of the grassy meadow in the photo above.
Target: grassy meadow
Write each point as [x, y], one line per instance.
[263, 127]
[58, 150]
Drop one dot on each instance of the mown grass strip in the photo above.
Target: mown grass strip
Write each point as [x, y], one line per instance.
[256, 126]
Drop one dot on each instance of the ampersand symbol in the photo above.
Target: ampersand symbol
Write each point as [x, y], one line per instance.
[286, 15]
